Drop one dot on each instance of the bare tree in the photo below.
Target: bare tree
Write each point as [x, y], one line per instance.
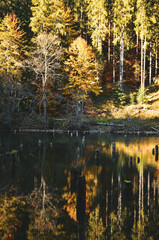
[45, 62]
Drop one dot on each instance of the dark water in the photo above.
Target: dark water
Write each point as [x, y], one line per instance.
[76, 186]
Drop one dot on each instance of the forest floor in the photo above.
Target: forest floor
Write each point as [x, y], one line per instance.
[132, 117]
[101, 115]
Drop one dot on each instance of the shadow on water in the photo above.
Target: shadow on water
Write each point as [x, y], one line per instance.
[78, 186]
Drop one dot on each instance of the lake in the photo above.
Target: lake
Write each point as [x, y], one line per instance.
[78, 186]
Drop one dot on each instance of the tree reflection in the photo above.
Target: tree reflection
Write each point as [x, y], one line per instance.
[95, 229]
[43, 208]
[43, 213]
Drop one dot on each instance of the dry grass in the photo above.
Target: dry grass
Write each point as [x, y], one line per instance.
[148, 110]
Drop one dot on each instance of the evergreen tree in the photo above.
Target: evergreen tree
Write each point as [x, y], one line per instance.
[71, 28]
[152, 34]
[79, 11]
[97, 22]
[122, 10]
[141, 28]
[52, 16]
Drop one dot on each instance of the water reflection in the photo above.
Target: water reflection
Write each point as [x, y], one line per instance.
[78, 186]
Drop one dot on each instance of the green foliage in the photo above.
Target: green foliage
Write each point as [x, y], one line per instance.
[123, 11]
[102, 120]
[141, 96]
[132, 98]
[119, 96]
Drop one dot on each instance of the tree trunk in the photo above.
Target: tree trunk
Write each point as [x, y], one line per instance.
[44, 88]
[44, 103]
[137, 57]
[142, 65]
[139, 198]
[142, 195]
[150, 67]
[78, 113]
[44, 195]
[156, 65]
[119, 208]
[114, 56]
[81, 20]
[109, 44]
[106, 208]
[144, 76]
[121, 63]
[148, 193]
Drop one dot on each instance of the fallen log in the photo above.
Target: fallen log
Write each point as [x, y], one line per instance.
[155, 129]
[104, 124]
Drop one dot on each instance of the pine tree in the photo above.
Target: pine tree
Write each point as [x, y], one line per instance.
[152, 33]
[71, 28]
[51, 16]
[122, 16]
[97, 22]
[141, 29]
[79, 11]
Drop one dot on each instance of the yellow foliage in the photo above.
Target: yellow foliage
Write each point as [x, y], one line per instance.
[82, 68]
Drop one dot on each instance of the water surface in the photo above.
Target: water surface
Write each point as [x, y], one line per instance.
[78, 186]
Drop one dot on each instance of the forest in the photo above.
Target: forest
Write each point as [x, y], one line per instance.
[79, 60]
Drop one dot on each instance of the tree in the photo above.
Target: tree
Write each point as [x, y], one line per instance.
[52, 17]
[11, 48]
[97, 22]
[11, 56]
[71, 28]
[153, 34]
[79, 11]
[95, 227]
[83, 75]
[45, 62]
[141, 24]
[22, 10]
[122, 16]
[43, 213]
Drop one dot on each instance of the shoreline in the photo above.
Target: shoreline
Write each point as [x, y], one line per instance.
[113, 126]
[77, 131]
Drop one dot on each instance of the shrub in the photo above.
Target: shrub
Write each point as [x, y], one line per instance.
[141, 96]
[119, 96]
[132, 98]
